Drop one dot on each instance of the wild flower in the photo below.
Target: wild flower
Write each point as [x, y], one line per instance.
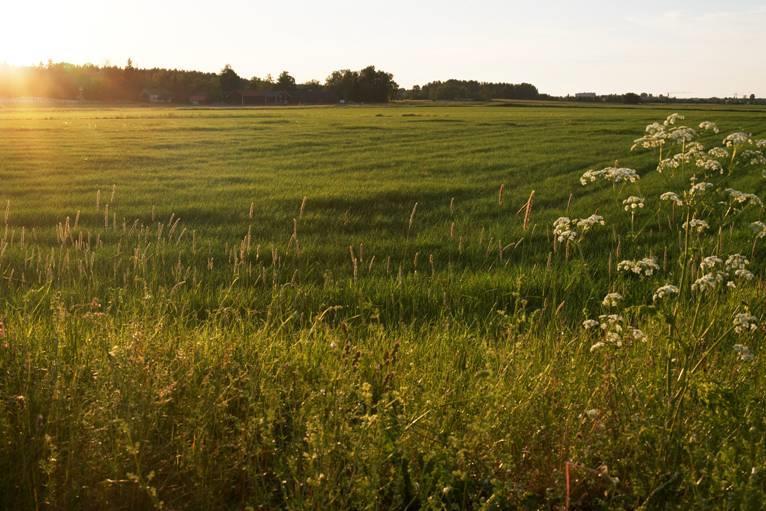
[590, 324]
[709, 126]
[637, 335]
[632, 203]
[666, 291]
[708, 164]
[753, 158]
[736, 262]
[744, 322]
[591, 176]
[564, 229]
[645, 267]
[760, 144]
[668, 163]
[621, 175]
[759, 228]
[612, 300]
[743, 352]
[708, 282]
[672, 197]
[710, 263]
[737, 139]
[611, 174]
[718, 152]
[743, 199]
[700, 188]
[586, 224]
[682, 134]
[673, 118]
[696, 225]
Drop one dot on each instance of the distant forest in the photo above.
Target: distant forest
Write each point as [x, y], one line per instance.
[129, 83]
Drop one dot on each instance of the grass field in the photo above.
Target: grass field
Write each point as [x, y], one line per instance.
[368, 308]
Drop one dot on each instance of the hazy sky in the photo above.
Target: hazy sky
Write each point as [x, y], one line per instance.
[686, 48]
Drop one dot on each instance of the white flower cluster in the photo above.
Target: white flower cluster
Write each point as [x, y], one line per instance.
[709, 126]
[743, 352]
[612, 300]
[632, 203]
[615, 331]
[759, 228]
[718, 152]
[672, 197]
[666, 291]
[645, 267]
[744, 322]
[738, 138]
[743, 199]
[673, 118]
[696, 225]
[708, 164]
[574, 229]
[753, 157]
[682, 134]
[698, 189]
[760, 144]
[716, 272]
[611, 174]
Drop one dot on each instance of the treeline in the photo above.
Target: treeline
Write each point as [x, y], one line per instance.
[451, 90]
[113, 83]
[129, 83]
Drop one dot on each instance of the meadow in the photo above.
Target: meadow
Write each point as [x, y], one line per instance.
[403, 307]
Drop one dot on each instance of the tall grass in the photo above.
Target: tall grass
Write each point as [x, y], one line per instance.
[347, 309]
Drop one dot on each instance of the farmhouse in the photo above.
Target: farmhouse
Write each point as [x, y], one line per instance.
[585, 95]
[156, 96]
[198, 99]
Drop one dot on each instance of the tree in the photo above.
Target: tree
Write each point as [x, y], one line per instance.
[230, 82]
[631, 98]
[285, 81]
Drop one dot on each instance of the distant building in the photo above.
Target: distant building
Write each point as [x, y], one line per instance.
[198, 99]
[156, 96]
[585, 95]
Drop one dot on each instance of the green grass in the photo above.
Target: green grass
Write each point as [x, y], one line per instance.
[180, 331]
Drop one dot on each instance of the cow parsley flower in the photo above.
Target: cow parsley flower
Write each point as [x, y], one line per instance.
[743, 199]
[753, 157]
[744, 322]
[759, 228]
[666, 291]
[718, 152]
[612, 300]
[708, 164]
[632, 203]
[672, 119]
[672, 197]
[682, 134]
[573, 229]
[736, 262]
[700, 188]
[709, 126]
[710, 263]
[736, 139]
[696, 225]
[590, 324]
[743, 352]
[708, 282]
[587, 224]
[760, 144]
[643, 268]
[564, 230]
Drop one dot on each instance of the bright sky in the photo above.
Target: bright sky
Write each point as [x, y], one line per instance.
[684, 47]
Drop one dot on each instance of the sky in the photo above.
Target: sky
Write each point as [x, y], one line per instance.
[685, 48]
